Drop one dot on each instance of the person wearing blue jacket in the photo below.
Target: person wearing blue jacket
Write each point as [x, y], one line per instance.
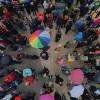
[69, 3]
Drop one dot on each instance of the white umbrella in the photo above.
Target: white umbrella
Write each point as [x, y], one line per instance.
[77, 91]
[7, 97]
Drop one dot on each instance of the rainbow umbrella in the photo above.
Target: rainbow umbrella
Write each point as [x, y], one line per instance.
[39, 39]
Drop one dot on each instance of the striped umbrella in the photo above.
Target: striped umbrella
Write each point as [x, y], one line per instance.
[39, 39]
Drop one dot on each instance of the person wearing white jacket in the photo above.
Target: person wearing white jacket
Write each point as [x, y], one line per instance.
[45, 4]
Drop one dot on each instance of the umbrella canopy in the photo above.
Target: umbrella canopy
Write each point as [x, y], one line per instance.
[79, 36]
[76, 76]
[5, 60]
[10, 78]
[97, 21]
[39, 39]
[7, 97]
[97, 77]
[40, 16]
[18, 98]
[77, 91]
[79, 25]
[29, 80]
[70, 57]
[27, 72]
[46, 97]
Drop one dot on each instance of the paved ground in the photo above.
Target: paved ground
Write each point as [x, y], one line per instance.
[50, 63]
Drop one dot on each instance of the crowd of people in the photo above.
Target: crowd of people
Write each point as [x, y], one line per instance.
[19, 20]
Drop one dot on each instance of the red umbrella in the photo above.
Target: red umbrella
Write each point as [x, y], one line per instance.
[10, 78]
[29, 80]
[76, 76]
[18, 98]
[40, 16]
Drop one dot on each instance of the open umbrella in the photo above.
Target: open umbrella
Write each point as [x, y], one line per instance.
[79, 36]
[97, 21]
[79, 25]
[10, 78]
[77, 91]
[97, 77]
[40, 16]
[7, 97]
[18, 98]
[46, 97]
[5, 60]
[29, 80]
[76, 76]
[27, 72]
[39, 39]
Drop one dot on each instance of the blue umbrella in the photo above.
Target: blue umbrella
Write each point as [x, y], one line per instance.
[79, 36]
[27, 72]
[79, 25]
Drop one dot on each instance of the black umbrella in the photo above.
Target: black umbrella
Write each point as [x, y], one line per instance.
[5, 60]
[97, 77]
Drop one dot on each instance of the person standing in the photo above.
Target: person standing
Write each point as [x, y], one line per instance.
[59, 21]
[77, 2]
[58, 36]
[68, 26]
[69, 3]
[45, 5]
[50, 20]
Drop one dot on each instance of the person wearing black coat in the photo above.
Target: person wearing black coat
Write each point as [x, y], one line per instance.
[58, 36]
[57, 96]
[68, 27]
[59, 21]
[59, 80]
[44, 55]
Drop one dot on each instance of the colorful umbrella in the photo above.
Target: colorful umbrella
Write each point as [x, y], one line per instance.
[39, 39]
[76, 76]
[27, 72]
[70, 57]
[77, 91]
[97, 21]
[18, 98]
[46, 97]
